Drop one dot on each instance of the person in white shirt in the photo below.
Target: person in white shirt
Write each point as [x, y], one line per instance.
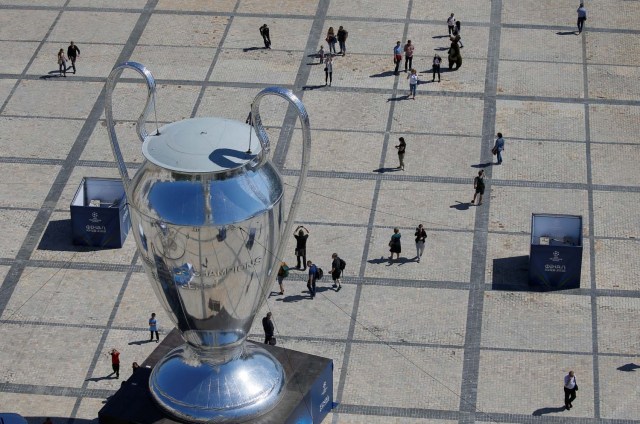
[413, 83]
[570, 388]
[451, 23]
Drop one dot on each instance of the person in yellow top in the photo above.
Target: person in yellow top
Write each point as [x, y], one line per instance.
[283, 273]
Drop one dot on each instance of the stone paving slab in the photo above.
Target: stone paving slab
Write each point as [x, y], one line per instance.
[458, 337]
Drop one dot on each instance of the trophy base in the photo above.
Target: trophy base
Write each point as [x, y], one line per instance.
[307, 394]
[189, 386]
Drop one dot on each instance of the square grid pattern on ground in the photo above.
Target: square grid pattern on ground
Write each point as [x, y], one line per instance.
[450, 339]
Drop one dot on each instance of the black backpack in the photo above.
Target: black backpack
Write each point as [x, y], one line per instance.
[319, 273]
[343, 264]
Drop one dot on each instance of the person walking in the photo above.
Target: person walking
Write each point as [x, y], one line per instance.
[498, 148]
[408, 55]
[413, 84]
[451, 23]
[397, 57]
[570, 389]
[313, 277]
[321, 54]
[267, 326]
[582, 16]
[458, 33]
[62, 63]
[478, 185]
[283, 272]
[437, 60]
[402, 147]
[73, 52]
[421, 240]
[153, 327]
[342, 40]
[301, 245]
[394, 244]
[331, 40]
[115, 361]
[336, 271]
[328, 70]
[264, 31]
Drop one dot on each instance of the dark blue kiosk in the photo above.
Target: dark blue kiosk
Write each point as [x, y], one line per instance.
[555, 260]
[99, 213]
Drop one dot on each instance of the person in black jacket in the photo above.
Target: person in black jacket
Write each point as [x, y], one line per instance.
[264, 31]
[267, 325]
[421, 239]
[342, 40]
[478, 185]
[301, 245]
[336, 271]
[72, 53]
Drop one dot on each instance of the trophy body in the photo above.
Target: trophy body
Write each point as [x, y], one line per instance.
[208, 219]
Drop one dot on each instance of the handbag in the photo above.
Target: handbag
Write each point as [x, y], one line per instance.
[494, 150]
[272, 341]
[576, 387]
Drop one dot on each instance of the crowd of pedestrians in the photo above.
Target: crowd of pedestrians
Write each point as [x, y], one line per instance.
[337, 264]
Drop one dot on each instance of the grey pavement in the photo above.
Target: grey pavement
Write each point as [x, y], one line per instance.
[452, 339]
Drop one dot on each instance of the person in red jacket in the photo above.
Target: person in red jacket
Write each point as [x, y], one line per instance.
[115, 362]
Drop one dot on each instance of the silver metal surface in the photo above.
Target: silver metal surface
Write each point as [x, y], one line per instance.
[209, 242]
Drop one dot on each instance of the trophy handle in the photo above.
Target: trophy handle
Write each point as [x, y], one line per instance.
[140, 125]
[264, 142]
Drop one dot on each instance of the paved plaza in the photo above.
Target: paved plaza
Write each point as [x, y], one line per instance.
[456, 338]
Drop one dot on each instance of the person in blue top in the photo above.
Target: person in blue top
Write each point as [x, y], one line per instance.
[313, 276]
[153, 327]
[498, 147]
[582, 16]
[397, 57]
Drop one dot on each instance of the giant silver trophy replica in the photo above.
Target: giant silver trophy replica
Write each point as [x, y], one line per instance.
[207, 214]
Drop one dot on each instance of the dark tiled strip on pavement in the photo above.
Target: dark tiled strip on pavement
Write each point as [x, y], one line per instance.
[365, 254]
[475, 303]
[592, 242]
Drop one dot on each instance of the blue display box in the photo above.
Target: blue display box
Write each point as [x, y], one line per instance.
[555, 260]
[99, 213]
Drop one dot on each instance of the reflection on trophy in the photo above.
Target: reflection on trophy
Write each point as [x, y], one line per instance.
[207, 213]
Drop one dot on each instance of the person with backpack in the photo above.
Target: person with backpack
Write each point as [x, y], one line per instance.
[337, 266]
[315, 274]
[498, 148]
[331, 40]
[283, 273]
[394, 244]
